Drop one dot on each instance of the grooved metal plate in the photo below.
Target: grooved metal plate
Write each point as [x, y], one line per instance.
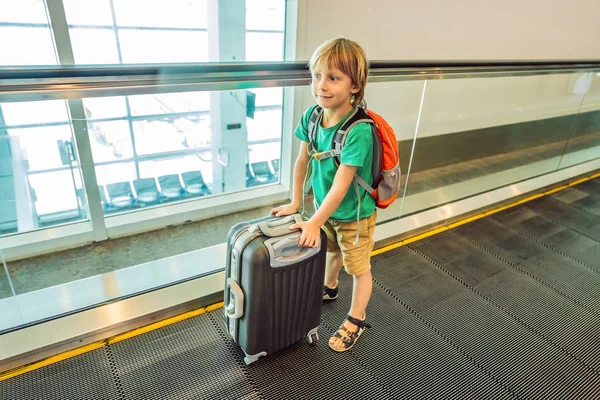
[526, 363]
[448, 249]
[86, 377]
[510, 245]
[591, 187]
[590, 256]
[570, 195]
[589, 204]
[564, 274]
[536, 226]
[483, 311]
[569, 242]
[578, 198]
[565, 213]
[593, 231]
[555, 318]
[410, 267]
[306, 372]
[187, 360]
[410, 359]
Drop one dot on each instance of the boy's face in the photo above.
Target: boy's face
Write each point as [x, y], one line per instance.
[331, 88]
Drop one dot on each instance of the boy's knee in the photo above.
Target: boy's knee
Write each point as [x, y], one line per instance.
[335, 257]
[358, 270]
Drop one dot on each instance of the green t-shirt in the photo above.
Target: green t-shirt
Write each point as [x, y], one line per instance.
[357, 151]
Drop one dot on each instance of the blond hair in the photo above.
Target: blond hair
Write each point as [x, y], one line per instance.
[347, 56]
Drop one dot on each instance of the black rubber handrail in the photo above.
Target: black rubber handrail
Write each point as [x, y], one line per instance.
[115, 70]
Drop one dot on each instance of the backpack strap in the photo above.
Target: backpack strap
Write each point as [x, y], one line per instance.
[359, 115]
[313, 123]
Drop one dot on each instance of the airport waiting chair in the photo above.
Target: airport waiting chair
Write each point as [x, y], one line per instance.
[170, 186]
[120, 194]
[194, 183]
[146, 190]
[250, 179]
[262, 172]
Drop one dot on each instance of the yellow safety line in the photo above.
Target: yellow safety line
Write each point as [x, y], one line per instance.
[163, 323]
[476, 217]
[118, 338]
[99, 344]
[51, 360]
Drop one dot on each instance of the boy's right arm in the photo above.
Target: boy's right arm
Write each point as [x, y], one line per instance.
[299, 175]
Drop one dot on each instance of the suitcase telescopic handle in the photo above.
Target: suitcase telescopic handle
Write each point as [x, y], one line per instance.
[285, 250]
[280, 226]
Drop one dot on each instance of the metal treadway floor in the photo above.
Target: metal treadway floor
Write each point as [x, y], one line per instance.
[507, 306]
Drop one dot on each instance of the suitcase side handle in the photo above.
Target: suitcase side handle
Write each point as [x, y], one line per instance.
[235, 308]
[280, 226]
[285, 251]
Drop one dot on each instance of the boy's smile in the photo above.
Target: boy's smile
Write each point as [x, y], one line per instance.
[332, 89]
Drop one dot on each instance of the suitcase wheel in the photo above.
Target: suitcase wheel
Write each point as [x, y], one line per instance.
[313, 338]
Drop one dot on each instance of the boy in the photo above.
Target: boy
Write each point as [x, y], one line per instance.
[339, 70]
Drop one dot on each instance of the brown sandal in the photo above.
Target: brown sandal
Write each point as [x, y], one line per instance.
[350, 337]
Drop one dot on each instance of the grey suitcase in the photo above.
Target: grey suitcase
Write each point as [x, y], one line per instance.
[273, 288]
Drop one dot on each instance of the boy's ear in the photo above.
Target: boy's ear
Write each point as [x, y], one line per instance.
[354, 89]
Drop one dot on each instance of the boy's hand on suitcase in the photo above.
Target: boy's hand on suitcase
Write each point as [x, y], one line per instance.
[311, 233]
[286, 209]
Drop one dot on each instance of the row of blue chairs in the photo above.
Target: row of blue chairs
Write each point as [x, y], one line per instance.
[148, 191]
[142, 192]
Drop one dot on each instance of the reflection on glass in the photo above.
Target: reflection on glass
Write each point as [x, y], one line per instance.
[268, 96]
[166, 14]
[38, 179]
[34, 47]
[261, 46]
[104, 107]
[148, 46]
[265, 15]
[480, 134]
[44, 148]
[24, 11]
[171, 134]
[139, 31]
[113, 181]
[35, 112]
[6, 286]
[110, 141]
[164, 151]
[168, 103]
[56, 196]
[265, 125]
[263, 166]
[95, 12]
[94, 46]
[584, 142]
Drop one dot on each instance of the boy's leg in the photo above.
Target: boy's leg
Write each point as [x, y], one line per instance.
[334, 260]
[357, 260]
[333, 268]
[361, 293]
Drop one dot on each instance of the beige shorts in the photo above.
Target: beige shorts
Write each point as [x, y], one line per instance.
[341, 236]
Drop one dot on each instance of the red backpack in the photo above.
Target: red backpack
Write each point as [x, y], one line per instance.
[385, 169]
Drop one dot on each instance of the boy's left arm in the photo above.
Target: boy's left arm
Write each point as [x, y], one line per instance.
[311, 229]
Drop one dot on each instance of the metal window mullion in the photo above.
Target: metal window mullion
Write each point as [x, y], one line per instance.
[62, 40]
